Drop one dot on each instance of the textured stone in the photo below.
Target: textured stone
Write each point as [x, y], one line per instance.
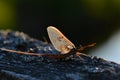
[25, 67]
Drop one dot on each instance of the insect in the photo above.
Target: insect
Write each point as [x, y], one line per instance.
[60, 43]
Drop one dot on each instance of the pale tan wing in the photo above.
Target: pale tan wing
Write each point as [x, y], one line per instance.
[59, 41]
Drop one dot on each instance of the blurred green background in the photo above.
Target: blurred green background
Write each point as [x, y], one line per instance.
[82, 21]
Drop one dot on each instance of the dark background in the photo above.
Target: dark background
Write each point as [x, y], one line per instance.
[82, 21]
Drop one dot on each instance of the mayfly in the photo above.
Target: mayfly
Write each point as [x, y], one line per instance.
[60, 43]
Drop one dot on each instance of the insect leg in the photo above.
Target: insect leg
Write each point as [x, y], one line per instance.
[84, 47]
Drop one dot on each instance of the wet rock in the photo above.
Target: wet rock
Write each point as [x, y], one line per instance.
[25, 67]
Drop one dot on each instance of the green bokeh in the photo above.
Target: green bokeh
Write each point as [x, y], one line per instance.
[64, 10]
[7, 15]
[103, 9]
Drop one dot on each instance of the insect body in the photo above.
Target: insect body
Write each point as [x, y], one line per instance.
[59, 41]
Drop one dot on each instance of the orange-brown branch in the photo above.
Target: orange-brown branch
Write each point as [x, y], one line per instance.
[35, 54]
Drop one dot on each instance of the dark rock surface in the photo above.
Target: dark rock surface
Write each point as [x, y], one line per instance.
[25, 67]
